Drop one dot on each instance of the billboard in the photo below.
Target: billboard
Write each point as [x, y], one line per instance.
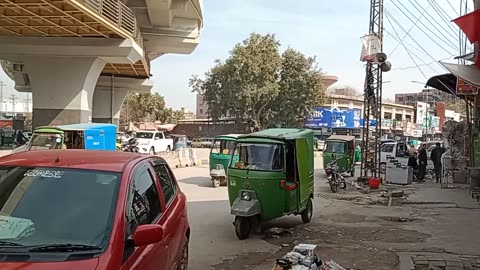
[333, 118]
[422, 111]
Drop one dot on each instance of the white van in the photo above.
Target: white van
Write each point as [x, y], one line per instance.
[393, 149]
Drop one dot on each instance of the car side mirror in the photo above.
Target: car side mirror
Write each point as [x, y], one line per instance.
[147, 234]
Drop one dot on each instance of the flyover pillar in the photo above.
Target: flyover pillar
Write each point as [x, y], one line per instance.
[110, 93]
[64, 88]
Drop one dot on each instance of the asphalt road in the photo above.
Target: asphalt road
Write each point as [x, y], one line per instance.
[212, 235]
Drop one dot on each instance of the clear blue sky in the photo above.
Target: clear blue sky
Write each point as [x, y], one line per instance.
[329, 30]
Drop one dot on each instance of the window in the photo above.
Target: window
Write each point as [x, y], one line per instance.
[263, 157]
[335, 147]
[158, 135]
[166, 181]
[388, 148]
[144, 135]
[58, 206]
[223, 147]
[143, 203]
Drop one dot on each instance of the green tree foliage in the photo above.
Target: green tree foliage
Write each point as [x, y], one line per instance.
[147, 107]
[259, 85]
[457, 106]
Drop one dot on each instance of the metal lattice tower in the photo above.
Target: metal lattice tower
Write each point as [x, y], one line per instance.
[372, 108]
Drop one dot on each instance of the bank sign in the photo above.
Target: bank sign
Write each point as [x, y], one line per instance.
[333, 118]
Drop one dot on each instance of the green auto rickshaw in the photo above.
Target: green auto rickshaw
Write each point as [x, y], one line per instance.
[341, 148]
[273, 177]
[220, 155]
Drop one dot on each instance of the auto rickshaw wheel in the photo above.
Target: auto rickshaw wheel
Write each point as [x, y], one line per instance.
[216, 182]
[242, 227]
[307, 213]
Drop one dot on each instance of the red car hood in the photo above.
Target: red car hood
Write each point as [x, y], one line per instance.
[71, 265]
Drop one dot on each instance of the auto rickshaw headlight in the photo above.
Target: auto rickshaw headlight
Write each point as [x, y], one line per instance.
[246, 196]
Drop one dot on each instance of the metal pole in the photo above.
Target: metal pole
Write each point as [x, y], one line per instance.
[1, 94]
[372, 108]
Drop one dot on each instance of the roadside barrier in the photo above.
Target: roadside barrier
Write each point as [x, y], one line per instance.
[185, 157]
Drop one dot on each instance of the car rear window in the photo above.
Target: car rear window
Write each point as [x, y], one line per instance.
[44, 206]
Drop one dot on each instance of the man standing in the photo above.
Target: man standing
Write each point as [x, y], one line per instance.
[412, 162]
[422, 163]
[436, 157]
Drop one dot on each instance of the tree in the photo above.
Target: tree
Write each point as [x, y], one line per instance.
[345, 91]
[142, 107]
[457, 106]
[259, 85]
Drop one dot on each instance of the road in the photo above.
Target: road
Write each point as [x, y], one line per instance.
[357, 230]
[213, 239]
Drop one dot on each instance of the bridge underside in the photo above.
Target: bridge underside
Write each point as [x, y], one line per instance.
[68, 18]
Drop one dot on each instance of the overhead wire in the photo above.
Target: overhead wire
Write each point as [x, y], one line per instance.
[433, 39]
[413, 39]
[454, 10]
[408, 52]
[424, 11]
[438, 9]
[409, 30]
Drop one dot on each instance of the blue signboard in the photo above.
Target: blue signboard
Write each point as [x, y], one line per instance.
[333, 118]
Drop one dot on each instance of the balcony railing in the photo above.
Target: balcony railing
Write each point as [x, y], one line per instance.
[119, 14]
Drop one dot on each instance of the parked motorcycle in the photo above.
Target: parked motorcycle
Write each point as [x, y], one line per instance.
[335, 179]
[130, 145]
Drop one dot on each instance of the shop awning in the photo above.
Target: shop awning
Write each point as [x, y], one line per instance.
[470, 73]
[446, 83]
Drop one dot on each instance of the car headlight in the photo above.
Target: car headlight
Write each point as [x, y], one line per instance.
[246, 196]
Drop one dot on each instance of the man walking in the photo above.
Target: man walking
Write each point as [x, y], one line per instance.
[436, 157]
[422, 163]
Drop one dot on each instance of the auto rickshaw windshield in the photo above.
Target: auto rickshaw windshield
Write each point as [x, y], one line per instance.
[259, 157]
[335, 147]
[46, 141]
[223, 147]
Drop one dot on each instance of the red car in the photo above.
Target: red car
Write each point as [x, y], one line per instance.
[85, 210]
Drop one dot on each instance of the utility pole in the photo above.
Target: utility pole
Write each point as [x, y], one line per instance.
[1, 93]
[372, 108]
[13, 98]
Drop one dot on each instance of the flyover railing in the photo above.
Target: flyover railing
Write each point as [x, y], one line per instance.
[119, 14]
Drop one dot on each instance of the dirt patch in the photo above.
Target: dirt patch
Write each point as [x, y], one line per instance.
[400, 219]
[350, 218]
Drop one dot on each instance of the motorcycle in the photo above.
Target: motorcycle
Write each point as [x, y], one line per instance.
[335, 179]
[130, 145]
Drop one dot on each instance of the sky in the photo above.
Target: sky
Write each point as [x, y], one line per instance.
[328, 30]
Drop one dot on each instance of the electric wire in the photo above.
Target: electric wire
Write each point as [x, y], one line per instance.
[453, 33]
[409, 30]
[437, 9]
[454, 10]
[414, 40]
[408, 52]
[434, 40]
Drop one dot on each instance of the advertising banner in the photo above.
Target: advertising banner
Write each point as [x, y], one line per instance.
[422, 110]
[333, 118]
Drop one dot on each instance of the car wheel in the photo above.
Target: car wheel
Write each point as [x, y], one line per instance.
[242, 227]
[183, 265]
[152, 151]
[307, 213]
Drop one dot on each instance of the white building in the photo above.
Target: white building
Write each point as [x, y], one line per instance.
[14, 105]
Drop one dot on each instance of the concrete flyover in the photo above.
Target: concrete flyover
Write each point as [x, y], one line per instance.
[79, 58]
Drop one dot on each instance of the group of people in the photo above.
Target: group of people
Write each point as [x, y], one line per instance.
[419, 161]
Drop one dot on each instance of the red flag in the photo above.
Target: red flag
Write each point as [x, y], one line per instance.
[470, 25]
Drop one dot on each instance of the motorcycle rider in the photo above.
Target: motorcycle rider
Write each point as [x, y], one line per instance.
[131, 143]
[20, 138]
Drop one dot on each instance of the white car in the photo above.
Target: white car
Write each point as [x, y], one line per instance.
[153, 142]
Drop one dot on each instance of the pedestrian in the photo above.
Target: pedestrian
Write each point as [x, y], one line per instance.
[413, 162]
[422, 163]
[436, 157]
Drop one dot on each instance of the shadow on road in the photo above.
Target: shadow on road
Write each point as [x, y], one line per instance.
[199, 181]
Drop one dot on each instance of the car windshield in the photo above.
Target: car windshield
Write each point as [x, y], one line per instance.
[335, 147]
[262, 157]
[223, 147]
[46, 206]
[144, 135]
[45, 141]
[388, 148]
